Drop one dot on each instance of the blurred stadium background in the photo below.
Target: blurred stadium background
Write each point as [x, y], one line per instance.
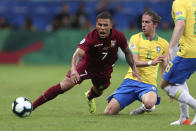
[41, 35]
[48, 31]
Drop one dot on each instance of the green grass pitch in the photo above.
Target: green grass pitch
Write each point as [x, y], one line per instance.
[69, 112]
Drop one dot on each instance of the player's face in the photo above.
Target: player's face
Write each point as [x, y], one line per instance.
[148, 26]
[103, 27]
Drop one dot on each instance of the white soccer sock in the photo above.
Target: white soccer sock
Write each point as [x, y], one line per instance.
[181, 94]
[184, 108]
[186, 98]
[184, 111]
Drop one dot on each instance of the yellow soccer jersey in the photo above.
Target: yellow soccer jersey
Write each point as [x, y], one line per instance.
[186, 9]
[147, 50]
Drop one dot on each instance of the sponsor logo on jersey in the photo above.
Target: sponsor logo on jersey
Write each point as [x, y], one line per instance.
[113, 43]
[158, 49]
[106, 48]
[98, 45]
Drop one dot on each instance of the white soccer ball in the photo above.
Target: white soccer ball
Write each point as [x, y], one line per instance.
[22, 107]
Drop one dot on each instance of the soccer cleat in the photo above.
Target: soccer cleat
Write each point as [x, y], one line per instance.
[91, 104]
[179, 122]
[138, 111]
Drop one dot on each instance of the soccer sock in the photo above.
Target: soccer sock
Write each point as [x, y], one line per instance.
[184, 108]
[181, 94]
[184, 111]
[186, 98]
[49, 94]
[92, 94]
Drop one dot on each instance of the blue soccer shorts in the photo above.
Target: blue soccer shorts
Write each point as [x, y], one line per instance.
[179, 70]
[131, 90]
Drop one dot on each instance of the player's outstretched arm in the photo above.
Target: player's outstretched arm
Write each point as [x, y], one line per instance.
[75, 59]
[177, 33]
[131, 62]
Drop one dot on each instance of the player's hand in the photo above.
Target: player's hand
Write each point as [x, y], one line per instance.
[75, 77]
[171, 99]
[136, 75]
[158, 60]
[169, 55]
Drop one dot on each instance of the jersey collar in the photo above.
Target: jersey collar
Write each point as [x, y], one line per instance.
[145, 38]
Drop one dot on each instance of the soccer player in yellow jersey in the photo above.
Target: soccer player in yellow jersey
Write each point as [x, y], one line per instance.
[149, 50]
[184, 64]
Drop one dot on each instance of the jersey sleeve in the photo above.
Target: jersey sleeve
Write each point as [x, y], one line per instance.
[85, 43]
[133, 45]
[178, 11]
[123, 41]
[166, 44]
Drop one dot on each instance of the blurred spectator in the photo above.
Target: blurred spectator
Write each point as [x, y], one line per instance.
[63, 17]
[165, 25]
[136, 23]
[60, 20]
[28, 25]
[104, 5]
[3, 23]
[81, 19]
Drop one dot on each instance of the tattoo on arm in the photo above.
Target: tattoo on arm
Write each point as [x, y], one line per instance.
[78, 58]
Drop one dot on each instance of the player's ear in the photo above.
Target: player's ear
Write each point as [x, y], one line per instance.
[156, 25]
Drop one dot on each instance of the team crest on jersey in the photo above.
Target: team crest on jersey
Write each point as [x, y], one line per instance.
[113, 43]
[133, 46]
[158, 49]
[82, 41]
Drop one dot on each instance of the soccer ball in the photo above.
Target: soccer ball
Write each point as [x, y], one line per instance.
[22, 107]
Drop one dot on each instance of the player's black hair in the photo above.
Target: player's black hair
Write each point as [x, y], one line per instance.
[104, 15]
[155, 17]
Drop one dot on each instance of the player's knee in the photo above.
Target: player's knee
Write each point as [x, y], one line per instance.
[109, 111]
[98, 91]
[66, 84]
[148, 108]
[149, 104]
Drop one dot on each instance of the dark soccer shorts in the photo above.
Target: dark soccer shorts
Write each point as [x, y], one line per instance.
[100, 79]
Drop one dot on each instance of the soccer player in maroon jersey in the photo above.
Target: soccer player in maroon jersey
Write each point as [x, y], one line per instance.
[93, 59]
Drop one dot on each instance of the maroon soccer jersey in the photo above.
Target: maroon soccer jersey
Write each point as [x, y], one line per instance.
[101, 54]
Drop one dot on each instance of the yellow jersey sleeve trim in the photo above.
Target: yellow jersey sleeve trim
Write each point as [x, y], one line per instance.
[180, 18]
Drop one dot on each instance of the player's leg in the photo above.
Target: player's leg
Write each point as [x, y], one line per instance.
[53, 91]
[112, 108]
[149, 100]
[121, 98]
[178, 71]
[182, 95]
[184, 112]
[62, 87]
[148, 95]
[99, 85]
